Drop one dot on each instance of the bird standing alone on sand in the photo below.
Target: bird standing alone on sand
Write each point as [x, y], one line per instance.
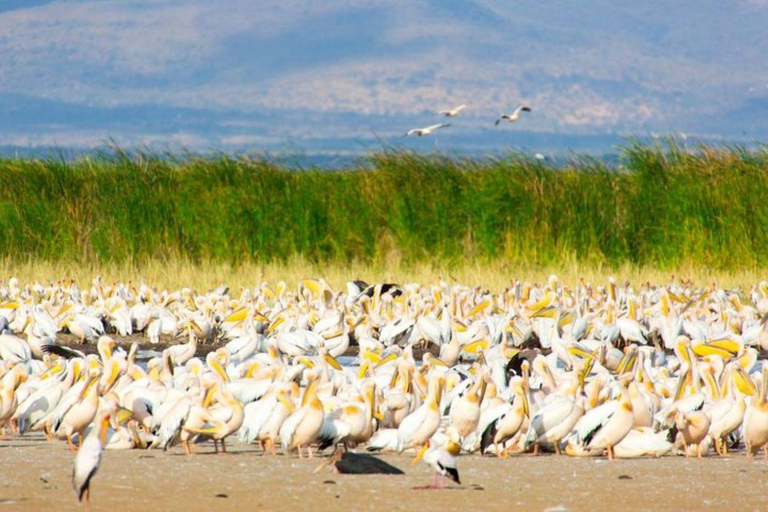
[440, 460]
[87, 461]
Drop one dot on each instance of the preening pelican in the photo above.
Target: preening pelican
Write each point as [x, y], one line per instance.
[514, 116]
[421, 132]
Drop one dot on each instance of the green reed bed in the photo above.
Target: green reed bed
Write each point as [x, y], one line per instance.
[664, 206]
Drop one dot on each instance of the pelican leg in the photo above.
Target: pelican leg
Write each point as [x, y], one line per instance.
[717, 447]
[536, 449]
[186, 447]
[72, 446]
[309, 450]
[87, 499]
[301, 455]
[80, 440]
[698, 451]
[223, 446]
[265, 446]
[685, 449]
[749, 451]
[610, 452]
[725, 446]
[47, 431]
[260, 444]
[498, 450]
[765, 452]
[557, 448]
[216, 446]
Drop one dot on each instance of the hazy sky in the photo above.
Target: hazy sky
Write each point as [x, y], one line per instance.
[339, 74]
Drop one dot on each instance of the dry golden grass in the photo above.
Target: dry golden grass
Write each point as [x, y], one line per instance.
[177, 273]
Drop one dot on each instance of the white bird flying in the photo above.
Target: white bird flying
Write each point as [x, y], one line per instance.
[514, 116]
[421, 132]
[453, 112]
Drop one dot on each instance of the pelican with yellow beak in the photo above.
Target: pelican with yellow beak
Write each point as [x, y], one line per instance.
[421, 424]
[302, 428]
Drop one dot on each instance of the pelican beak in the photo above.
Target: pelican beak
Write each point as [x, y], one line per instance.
[209, 396]
[581, 352]
[510, 352]
[420, 454]
[526, 408]
[363, 369]
[332, 361]
[743, 382]
[389, 358]
[627, 363]
[274, 325]
[122, 415]
[434, 361]
[306, 362]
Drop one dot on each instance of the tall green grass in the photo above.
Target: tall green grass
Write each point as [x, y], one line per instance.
[664, 206]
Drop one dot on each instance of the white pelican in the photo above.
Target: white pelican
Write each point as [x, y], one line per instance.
[87, 461]
[421, 132]
[693, 428]
[441, 460]
[422, 423]
[452, 112]
[465, 410]
[756, 422]
[514, 116]
[606, 425]
[302, 427]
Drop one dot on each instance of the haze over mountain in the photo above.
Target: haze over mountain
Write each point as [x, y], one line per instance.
[343, 75]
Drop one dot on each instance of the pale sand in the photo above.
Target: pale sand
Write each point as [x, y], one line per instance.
[35, 475]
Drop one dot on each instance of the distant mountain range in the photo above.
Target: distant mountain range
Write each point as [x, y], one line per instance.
[346, 76]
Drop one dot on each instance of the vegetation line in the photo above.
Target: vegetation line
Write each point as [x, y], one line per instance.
[666, 206]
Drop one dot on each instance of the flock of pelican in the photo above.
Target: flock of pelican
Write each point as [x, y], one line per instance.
[511, 117]
[586, 370]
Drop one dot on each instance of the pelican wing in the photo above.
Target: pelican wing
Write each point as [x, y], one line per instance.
[255, 415]
[172, 424]
[289, 426]
[594, 420]
[409, 426]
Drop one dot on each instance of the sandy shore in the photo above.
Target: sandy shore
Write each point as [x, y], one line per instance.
[35, 475]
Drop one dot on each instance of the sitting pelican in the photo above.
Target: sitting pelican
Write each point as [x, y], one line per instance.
[606, 425]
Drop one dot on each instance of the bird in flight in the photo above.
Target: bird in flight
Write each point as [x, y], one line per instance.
[421, 132]
[514, 116]
[453, 112]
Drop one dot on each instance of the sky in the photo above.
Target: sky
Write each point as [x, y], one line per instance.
[350, 75]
